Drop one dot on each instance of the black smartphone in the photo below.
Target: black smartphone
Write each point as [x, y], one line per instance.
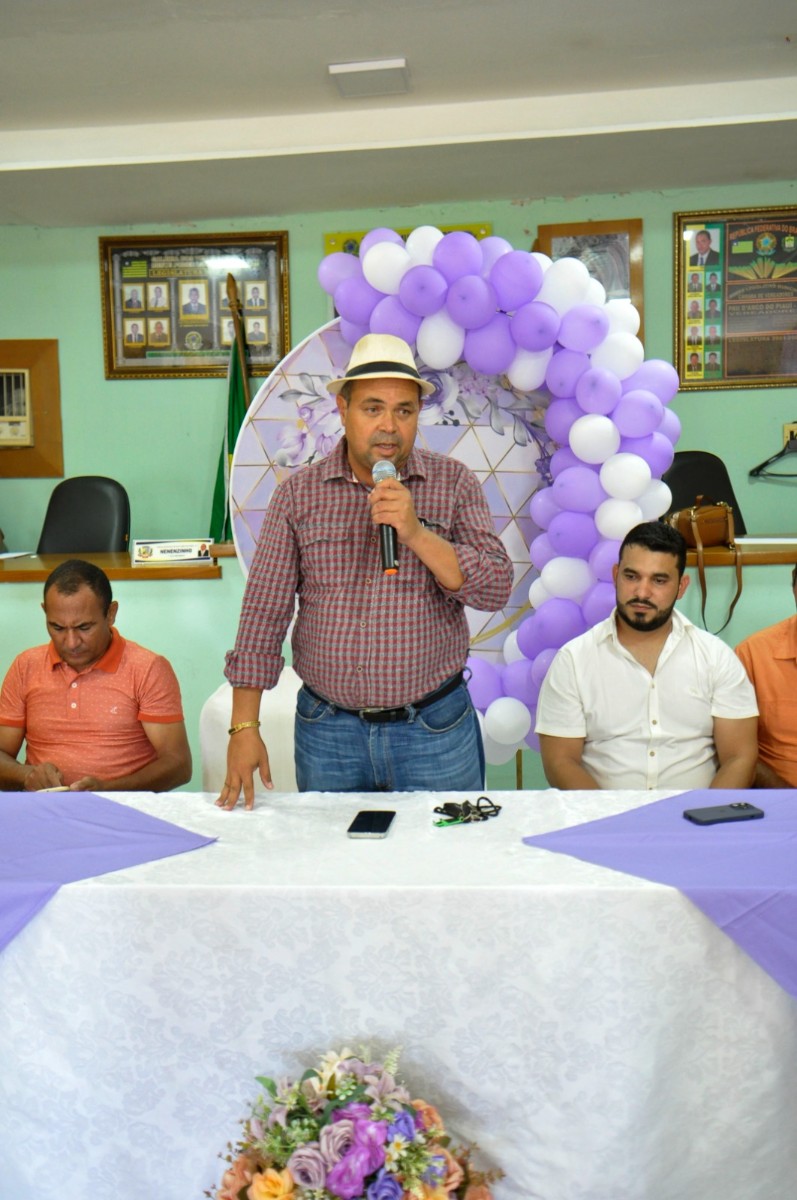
[719, 813]
[371, 823]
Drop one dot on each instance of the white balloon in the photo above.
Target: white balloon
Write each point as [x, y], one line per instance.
[625, 476]
[544, 260]
[507, 721]
[564, 284]
[614, 518]
[440, 341]
[421, 243]
[594, 438]
[655, 500]
[623, 317]
[510, 650]
[596, 294]
[538, 593]
[528, 368]
[498, 753]
[567, 577]
[384, 266]
[621, 353]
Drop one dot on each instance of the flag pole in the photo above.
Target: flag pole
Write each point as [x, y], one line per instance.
[235, 313]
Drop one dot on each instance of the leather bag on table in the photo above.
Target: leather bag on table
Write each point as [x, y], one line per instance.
[703, 525]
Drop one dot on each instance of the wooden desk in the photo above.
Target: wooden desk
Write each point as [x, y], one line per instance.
[34, 568]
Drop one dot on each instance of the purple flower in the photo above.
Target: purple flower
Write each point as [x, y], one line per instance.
[384, 1187]
[336, 1141]
[371, 1136]
[347, 1177]
[307, 1166]
[403, 1125]
[353, 1112]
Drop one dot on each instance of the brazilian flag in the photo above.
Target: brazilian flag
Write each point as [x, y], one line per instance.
[220, 519]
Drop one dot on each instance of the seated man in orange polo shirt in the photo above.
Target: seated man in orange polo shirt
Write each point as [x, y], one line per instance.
[97, 713]
[770, 659]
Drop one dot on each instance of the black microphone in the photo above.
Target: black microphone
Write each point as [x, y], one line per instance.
[388, 540]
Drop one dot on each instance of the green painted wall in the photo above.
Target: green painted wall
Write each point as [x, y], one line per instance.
[161, 437]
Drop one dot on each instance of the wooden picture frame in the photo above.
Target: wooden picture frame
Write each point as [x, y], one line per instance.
[37, 361]
[735, 319]
[611, 251]
[180, 282]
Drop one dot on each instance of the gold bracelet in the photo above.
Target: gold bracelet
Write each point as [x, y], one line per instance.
[243, 725]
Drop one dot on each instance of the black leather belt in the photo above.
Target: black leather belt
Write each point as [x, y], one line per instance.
[394, 714]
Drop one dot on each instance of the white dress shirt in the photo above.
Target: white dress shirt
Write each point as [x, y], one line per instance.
[643, 730]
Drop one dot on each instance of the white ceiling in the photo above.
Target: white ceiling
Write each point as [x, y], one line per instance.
[116, 112]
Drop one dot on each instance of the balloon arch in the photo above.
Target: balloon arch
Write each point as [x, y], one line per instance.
[541, 387]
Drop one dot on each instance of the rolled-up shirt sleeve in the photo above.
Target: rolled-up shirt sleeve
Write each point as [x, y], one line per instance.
[268, 603]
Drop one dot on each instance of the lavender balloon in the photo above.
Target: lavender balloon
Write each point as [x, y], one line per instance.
[534, 326]
[390, 316]
[573, 534]
[423, 290]
[375, 236]
[578, 489]
[583, 327]
[517, 278]
[484, 683]
[457, 254]
[336, 267]
[471, 302]
[355, 299]
[490, 350]
[559, 418]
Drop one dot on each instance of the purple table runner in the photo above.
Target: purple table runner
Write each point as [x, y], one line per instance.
[742, 875]
[50, 838]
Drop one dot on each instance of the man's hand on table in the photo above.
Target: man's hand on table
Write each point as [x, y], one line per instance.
[245, 753]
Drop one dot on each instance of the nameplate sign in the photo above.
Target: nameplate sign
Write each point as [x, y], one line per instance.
[161, 550]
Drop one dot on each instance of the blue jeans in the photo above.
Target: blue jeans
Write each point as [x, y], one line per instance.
[438, 748]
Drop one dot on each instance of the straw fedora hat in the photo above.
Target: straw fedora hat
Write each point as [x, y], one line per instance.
[381, 356]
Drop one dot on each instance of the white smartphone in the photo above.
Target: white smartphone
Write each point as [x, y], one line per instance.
[371, 823]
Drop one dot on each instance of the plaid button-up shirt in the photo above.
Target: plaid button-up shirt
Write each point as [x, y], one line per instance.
[361, 638]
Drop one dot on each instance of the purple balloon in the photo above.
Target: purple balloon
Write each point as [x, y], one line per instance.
[604, 558]
[638, 413]
[535, 326]
[583, 327]
[390, 316]
[492, 249]
[558, 621]
[655, 376]
[670, 425]
[351, 332]
[530, 636]
[543, 508]
[355, 299]
[598, 391]
[490, 350]
[598, 603]
[375, 236]
[516, 277]
[423, 291]
[517, 682]
[457, 254]
[564, 371]
[484, 683]
[573, 534]
[656, 449]
[578, 489]
[542, 661]
[336, 267]
[562, 459]
[559, 417]
[541, 551]
[471, 301]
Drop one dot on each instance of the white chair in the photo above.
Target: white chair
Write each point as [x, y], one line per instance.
[277, 709]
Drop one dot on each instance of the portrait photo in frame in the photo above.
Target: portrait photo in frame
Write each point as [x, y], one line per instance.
[735, 318]
[610, 250]
[165, 308]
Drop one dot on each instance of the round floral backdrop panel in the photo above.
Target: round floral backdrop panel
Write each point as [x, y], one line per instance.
[496, 431]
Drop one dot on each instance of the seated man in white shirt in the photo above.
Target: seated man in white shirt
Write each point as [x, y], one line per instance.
[645, 699]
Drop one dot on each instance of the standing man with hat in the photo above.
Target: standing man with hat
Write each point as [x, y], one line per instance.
[383, 705]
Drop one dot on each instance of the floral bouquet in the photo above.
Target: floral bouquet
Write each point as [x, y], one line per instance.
[347, 1130]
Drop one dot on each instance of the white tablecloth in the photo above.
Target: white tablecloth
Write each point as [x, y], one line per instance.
[595, 1033]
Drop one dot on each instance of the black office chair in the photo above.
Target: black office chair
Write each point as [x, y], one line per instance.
[699, 473]
[88, 513]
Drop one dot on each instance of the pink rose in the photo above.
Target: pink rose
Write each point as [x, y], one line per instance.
[454, 1172]
[430, 1117]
